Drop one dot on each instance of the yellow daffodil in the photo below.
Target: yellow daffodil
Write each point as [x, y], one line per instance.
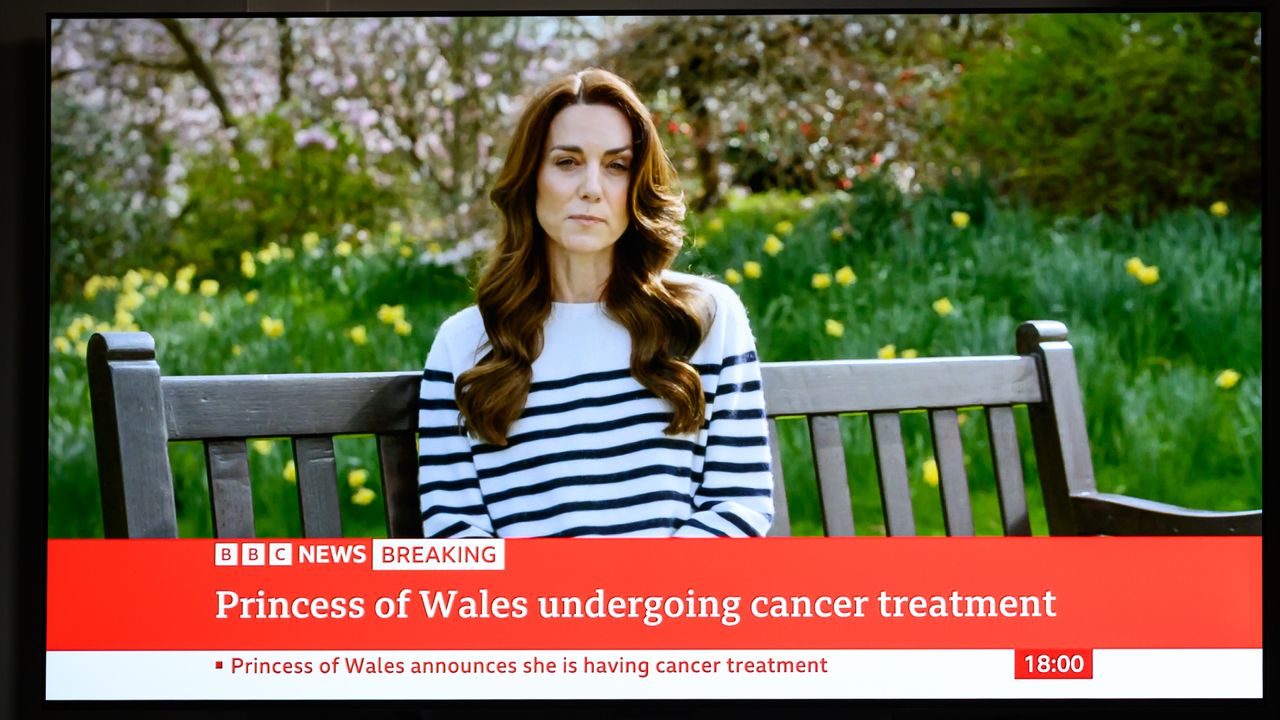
[406, 251]
[733, 277]
[208, 288]
[272, 327]
[130, 300]
[247, 267]
[837, 234]
[251, 297]
[1149, 275]
[1227, 379]
[1219, 209]
[357, 478]
[343, 248]
[62, 344]
[186, 272]
[845, 276]
[92, 286]
[434, 248]
[715, 224]
[1134, 266]
[290, 472]
[752, 269]
[76, 327]
[784, 227]
[132, 280]
[834, 328]
[145, 273]
[269, 254]
[82, 348]
[929, 472]
[310, 240]
[821, 281]
[403, 327]
[262, 447]
[123, 318]
[773, 245]
[110, 282]
[358, 335]
[363, 496]
[102, 327]
[909, 354]
[206, 318]
[943, 306]
[389, 314]
[236, 350]
[160, 280]
[395, 228]
[287, 253]
[888, 352]
[698, 242]
[960, 219]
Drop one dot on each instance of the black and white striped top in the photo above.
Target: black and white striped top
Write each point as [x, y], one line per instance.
[588, 456]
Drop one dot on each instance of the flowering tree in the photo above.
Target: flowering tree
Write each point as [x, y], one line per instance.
[801, 102]
[221, 133]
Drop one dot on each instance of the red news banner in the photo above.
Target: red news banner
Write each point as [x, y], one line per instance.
[783, 593]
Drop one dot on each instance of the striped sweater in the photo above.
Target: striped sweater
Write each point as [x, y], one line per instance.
[588, 455]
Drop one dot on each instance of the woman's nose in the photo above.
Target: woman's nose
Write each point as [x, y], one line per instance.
[590, 189]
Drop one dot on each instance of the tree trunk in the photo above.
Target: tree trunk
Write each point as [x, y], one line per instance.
[285, 33]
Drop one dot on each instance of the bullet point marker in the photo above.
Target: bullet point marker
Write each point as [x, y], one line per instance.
[218, 664]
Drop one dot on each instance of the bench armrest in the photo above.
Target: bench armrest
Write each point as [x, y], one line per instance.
[1111, 514]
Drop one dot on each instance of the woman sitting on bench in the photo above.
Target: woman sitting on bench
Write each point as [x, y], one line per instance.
[592, 391]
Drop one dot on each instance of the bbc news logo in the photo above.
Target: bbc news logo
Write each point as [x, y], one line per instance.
[284, 553]
[252, 554]
[387, 554]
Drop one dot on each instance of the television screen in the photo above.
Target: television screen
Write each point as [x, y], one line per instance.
[949, 321]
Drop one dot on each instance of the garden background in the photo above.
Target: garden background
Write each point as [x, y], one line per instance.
[269, 195]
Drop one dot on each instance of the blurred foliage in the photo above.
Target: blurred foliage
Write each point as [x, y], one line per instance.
[1084, 113]
[277, 184]
[802, 103]
[100, 218]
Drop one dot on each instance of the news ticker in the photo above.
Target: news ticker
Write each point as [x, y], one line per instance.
[784, 617]
[647, 674]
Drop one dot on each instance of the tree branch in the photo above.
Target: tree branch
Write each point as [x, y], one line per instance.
[202, 71]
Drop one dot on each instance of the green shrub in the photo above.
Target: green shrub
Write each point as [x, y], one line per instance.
[1118, 112]
[278, 183]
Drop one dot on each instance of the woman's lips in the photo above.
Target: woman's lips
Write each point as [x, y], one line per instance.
[588, 219]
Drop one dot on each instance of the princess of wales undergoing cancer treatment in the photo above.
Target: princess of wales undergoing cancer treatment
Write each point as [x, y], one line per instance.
[591, 391]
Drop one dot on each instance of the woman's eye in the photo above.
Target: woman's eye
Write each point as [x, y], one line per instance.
[564, 162]
[620, 166]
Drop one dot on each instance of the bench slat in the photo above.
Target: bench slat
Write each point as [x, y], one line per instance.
[833, 477]
[317, 486]
[891, 468]
[201, 407]
[1007, 461]
[842, 386]
[398, 455]
[781, 512]
[949, 454]
[230, 491]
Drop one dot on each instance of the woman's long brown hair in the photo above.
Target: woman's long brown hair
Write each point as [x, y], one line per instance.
[667, 321]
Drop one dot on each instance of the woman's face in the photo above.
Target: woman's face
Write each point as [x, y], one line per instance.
[584, 179]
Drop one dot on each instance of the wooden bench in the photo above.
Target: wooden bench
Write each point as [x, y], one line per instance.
[137, 411]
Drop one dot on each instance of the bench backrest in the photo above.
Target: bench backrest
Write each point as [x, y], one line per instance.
[137, 411]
